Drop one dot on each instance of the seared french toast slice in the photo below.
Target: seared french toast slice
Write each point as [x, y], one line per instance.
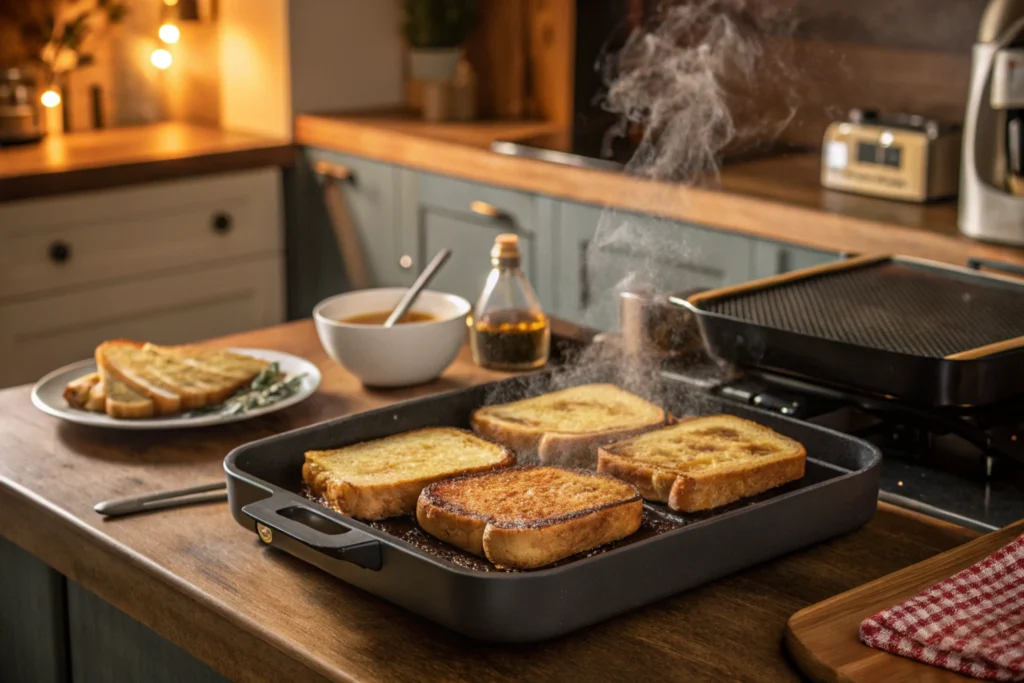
[529, 517]
[566, 427]
[383, 478]
[706, 462]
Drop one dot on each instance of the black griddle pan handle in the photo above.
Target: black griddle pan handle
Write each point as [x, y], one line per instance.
[282, 522]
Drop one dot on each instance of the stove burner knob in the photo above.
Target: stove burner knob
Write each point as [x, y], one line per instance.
[783, 403]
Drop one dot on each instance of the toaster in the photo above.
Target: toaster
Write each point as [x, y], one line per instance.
[905, 157]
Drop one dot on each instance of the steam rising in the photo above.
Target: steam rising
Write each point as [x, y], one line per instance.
[703, 79]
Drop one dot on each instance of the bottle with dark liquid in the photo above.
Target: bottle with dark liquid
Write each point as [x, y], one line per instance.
[508, 330]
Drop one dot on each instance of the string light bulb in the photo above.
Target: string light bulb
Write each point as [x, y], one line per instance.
[169, 33]
[161, 58]
[50, 99]
[170, 3]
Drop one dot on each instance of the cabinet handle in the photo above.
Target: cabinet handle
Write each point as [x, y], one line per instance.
[405, 262]
[489, 211]
[336, 171]
[222, 223]
[60, 252]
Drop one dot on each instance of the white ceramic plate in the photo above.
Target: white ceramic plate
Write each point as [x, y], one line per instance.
[48, 396]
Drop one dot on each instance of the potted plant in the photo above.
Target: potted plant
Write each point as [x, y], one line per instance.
[436, 31]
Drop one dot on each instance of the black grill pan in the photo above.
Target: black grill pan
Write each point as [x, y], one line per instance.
[670, 553]
[902, 328]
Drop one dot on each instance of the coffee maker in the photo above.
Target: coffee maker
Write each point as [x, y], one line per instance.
[992, 173]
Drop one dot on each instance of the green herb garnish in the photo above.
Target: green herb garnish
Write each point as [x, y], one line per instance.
[269, 387]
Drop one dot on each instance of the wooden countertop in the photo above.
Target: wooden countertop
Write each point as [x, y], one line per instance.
[776, 198]
[78, 162]
[256, 614]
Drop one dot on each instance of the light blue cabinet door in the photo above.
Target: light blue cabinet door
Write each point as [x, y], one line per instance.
[108, 646]
[466, 217]
[672, 256]
[33, 620]
[773, 258]
[371, 201]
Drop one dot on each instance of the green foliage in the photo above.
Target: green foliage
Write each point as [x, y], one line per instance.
[439, 23]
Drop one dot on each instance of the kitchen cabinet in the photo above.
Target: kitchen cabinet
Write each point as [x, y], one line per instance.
[775, 258]
[108, 646]
[670, 255]
[33, 619]
[169, 262]
[370, 205]
[466, 217]
[404, 216]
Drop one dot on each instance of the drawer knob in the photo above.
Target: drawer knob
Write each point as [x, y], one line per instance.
[405, 261]
[60, 252]
[222, 223]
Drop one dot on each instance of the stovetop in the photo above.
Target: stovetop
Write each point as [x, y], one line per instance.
[927, 465]
[584, 149]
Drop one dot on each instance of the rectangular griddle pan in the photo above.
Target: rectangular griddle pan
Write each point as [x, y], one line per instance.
[670, 553]
[898, 327]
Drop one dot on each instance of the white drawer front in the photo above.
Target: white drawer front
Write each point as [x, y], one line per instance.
[45, 333]
[60, 243]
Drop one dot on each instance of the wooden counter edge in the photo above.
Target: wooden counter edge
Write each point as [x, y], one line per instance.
[742, 213]
[225, 641]
[50, 183]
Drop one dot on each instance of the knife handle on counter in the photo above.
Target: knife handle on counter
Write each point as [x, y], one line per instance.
[162, 500]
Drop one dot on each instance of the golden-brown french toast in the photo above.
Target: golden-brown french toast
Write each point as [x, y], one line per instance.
[172, 384]
[217, 361]
[384, 477]
[123, 402]
[566, 427]
[706, 462]
[529, 517]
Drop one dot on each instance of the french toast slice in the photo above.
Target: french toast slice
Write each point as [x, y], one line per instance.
[122, 402]
[565, 428]
[217, 361]
[171, 384]
[86, 393]
[528, 517]
[383, 478]
[705, 462]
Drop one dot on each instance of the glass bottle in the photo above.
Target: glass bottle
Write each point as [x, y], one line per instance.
[508, 329]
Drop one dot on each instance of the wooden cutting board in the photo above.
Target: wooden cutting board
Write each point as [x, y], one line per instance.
[823, 640]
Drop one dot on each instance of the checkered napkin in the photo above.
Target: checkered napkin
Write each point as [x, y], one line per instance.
[971, 623]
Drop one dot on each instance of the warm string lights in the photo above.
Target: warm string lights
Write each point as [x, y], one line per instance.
[169, 34]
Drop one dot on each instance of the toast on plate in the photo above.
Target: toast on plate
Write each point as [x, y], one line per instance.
[217, 361]
[86, 393]
[706, 462]
[529, 517]
[169, 382]
[383, 478]
[565, 428]
[122, 402]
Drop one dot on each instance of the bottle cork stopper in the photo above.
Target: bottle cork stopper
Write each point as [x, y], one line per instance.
[506, 245]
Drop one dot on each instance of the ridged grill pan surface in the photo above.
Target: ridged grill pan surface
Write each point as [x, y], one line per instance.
[890, 306]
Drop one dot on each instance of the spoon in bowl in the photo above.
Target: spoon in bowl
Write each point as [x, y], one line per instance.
[422, 281]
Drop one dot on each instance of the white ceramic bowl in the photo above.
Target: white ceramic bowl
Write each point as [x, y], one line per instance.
[403, 355]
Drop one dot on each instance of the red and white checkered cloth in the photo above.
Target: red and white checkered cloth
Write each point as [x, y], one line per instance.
[972, 623]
